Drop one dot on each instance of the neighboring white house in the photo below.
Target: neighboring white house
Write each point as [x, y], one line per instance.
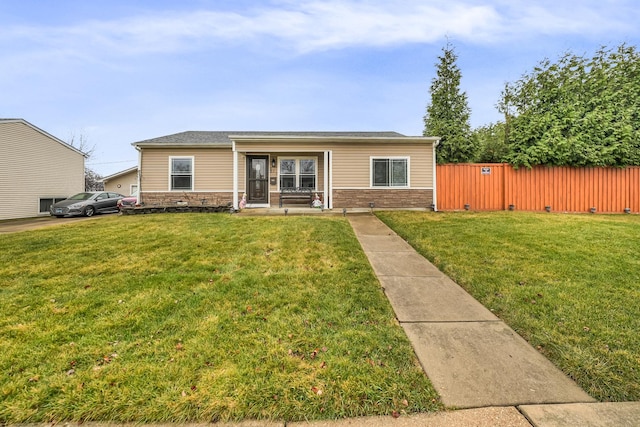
[36, 169]
[123, 182]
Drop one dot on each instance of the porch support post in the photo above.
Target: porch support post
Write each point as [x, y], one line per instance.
[325, 180]
[139, 175]
[328, 176]
[235, 177]
[435, 184]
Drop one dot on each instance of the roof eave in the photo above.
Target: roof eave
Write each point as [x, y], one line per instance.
[180, 145]
[318, 138]
[117, 174]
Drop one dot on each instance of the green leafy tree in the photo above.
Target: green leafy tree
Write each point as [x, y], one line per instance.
[577, 111]
[448, 112]
[491, 143]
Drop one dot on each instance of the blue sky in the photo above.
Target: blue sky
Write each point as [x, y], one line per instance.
[121, 71]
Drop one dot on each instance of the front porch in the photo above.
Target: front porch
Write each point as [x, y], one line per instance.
[260, 178]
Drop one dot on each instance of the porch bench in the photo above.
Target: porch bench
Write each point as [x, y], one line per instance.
[296, 193]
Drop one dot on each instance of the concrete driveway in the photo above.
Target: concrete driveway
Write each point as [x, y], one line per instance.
[16, 225]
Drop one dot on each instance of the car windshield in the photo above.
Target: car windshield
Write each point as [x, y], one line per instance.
[81, 196]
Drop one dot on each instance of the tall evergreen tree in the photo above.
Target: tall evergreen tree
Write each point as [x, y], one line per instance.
[448, 113]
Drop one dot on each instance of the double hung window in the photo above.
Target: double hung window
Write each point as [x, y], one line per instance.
[298, 172]
[181, 171]
[390, 172]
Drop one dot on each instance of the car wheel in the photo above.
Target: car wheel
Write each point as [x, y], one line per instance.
[89, 211]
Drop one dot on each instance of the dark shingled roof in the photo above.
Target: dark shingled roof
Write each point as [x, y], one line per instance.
[222, 137]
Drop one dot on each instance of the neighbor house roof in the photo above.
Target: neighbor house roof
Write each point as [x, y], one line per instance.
[37, 129]
[225, 138]
[117, 174]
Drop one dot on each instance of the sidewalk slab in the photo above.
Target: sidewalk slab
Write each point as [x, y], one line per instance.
[389, 243]
[477, 364]
[432, 299]
[483, 417]
[607, 414]
[369, 225]
[401, 264]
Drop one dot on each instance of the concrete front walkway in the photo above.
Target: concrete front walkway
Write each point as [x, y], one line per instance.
[473, 359]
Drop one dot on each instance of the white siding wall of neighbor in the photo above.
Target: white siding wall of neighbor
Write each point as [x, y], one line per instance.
[34, 166]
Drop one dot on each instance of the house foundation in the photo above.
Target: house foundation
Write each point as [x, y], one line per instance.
[387, 198]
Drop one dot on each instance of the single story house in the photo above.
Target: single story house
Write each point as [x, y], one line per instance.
[123, 182]
[36, 170]
[252, 169]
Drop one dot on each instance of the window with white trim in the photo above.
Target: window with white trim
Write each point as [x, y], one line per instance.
[389, 171]
[181, 173]
[298, 172]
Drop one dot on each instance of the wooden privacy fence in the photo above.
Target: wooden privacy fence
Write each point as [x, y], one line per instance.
[498, 186]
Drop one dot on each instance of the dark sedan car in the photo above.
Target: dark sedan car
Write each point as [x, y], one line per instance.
[87, 204]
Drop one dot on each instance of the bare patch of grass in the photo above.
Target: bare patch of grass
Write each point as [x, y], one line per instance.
[569, 284]
[197, 318]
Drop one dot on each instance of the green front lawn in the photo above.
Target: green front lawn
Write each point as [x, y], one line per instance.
[198, 317]
[569, 284]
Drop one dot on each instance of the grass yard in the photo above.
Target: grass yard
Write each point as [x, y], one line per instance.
[569, 284]
[198, 318]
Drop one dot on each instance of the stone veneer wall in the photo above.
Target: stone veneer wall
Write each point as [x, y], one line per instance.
[192, 198]
[383, 198]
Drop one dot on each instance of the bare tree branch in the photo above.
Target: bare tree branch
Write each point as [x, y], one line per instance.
[81, 143]
[92, 180]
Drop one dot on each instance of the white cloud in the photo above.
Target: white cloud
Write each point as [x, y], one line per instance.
[317, 25]
[306, 26]
[336, 24]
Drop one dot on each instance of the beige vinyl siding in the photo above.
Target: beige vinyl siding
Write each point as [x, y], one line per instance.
[351, 161]
[350, 168]
[352, 164]
[124, 182]
[213, 168]
[281, 147]
[33, 166]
